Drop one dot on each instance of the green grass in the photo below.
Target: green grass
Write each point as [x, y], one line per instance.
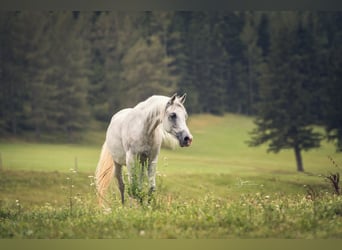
[217, 188]
[49, 157]
[252, 215]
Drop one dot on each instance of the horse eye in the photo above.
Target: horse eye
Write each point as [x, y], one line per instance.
[173, 116]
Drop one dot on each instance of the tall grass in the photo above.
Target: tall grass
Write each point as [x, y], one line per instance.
[257, 215]
[254, 213]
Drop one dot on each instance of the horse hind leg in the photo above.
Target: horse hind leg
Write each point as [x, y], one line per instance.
[121, 185]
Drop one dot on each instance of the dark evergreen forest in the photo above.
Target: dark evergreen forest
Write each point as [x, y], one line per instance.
[62, 71]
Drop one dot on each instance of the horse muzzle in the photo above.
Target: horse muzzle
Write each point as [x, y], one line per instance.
[186, 140]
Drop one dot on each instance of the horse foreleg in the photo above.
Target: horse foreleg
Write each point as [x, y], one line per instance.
[121, 185]
[130, 160]
[151, 171]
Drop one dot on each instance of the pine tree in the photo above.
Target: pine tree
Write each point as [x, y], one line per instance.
[12, 72]
[38, 92]
[236, 89]
[217, 58]
[332, 117]
[205, 62]
[105, 38]
[68, 75]
[176, 48]
[264, 34]
[254, 59]
[144, 71]
[188, 69]
[284, 119]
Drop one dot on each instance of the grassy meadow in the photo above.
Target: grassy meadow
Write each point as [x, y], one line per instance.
[217, 188]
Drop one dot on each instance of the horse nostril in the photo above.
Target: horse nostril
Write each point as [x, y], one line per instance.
[187, 140]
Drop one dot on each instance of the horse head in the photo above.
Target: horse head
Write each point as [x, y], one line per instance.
[174, 120]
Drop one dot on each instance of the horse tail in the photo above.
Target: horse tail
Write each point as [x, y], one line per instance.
[104, 172]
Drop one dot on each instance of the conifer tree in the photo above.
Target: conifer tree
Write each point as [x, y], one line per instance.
[283, 119]
[38, 92]
[235, 64]
[144, 71]
[254, 59]
[104, 67]
[12, 72]
[68, 75]
[332, 91]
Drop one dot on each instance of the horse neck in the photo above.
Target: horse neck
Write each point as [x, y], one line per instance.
[154, 116]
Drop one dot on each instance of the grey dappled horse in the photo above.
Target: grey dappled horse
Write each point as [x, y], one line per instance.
[138, 133]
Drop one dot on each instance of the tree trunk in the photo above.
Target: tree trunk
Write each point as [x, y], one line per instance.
[299, 161]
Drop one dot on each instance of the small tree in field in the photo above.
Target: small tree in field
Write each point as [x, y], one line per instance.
[281, 135]
[285, 113]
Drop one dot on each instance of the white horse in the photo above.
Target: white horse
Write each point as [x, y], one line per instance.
[138, 133]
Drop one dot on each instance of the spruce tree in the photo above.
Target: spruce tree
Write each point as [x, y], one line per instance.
[13, 63]
[38, 92]
[254, 59]
[104, 67]
[235, 84]
[284, 120]
[180, 47]
[68, 75]
[145, 71]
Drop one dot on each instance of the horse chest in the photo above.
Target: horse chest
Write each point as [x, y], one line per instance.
[147, 146]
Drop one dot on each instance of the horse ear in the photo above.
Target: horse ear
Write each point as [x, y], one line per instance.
[182, 99]
[172, 99]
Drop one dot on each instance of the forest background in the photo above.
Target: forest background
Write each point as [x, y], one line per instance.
[64, 72]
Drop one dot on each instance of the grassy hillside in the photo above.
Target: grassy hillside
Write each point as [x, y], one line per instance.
[217, 188]
[218, 157]
[219, 147]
